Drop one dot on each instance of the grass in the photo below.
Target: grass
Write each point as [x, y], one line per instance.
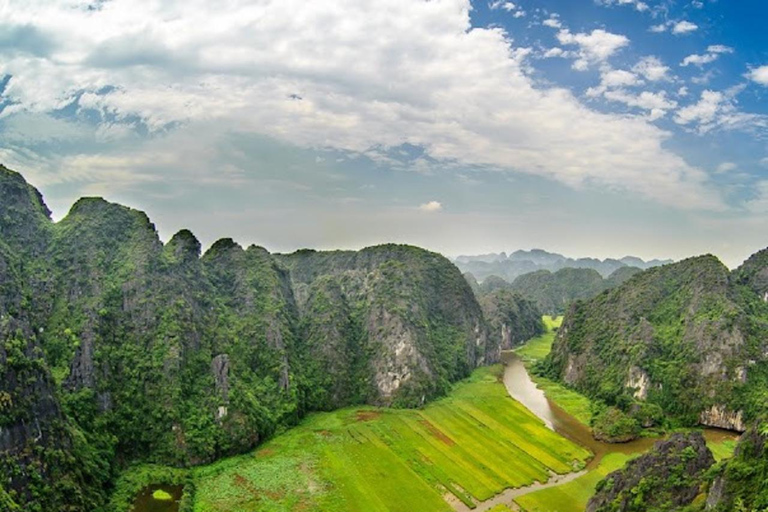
[723, 449]
[537, 348]
[573, 496]
[161, 495]
[472, 444]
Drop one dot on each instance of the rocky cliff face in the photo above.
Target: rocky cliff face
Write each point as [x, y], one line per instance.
[688, 337]
[116, 346]
[511, 317]
[669, 476]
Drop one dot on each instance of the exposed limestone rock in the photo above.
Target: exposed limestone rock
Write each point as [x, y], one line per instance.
[220, 370]
[720, 416]
[639, 381]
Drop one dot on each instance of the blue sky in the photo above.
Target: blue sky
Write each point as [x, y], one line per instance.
[590, 127]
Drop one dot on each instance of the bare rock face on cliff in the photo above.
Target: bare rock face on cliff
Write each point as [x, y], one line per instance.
[511, 317]
[116, 346]
[688, 337]
[402, 321]
[669, 476]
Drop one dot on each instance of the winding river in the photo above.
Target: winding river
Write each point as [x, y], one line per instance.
[520, 387]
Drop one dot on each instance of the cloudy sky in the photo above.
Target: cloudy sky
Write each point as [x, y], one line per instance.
[589, 127]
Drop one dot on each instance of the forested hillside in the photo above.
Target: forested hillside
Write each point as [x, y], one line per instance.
[688, 337]
[117, 347]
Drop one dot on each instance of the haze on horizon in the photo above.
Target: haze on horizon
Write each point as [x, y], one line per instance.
[598, 128]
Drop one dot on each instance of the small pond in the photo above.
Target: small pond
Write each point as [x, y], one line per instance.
[147, 502]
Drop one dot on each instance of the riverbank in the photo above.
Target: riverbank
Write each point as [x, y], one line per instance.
[568, 413]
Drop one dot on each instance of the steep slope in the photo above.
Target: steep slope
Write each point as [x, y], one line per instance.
[683, 336]
[46, 463]
[512, 317]
[741, 483]
[667, 477]
[412, 319]
[554, 292]
[116, 347]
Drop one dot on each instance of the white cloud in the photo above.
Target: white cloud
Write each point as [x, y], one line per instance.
[595, 47]
[652, 69]
[682, 91]
[684, 27]
[726, 167]
[764, 162]
[759, 75]
[554, 52]
[656, 103]
[432, 206]
[510, 7]
[661, 27]
[637, 4]
[612, 78]
[314, 80]
[713, 53]
[553, 22]
[704, 112]
[717, 110]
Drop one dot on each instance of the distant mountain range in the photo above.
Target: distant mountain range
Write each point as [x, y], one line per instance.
[518, 263]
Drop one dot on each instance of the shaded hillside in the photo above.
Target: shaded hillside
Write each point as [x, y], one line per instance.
[554, 292]
[511, 317]
[524, 262]
[689, 337]
[741, 483]
[667, 477]
[117, 347]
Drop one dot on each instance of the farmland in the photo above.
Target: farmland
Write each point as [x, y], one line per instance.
[466, 447]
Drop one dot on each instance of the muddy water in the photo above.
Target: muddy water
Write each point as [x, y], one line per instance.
[146, 503]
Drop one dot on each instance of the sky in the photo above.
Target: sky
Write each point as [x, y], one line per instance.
[589, 127]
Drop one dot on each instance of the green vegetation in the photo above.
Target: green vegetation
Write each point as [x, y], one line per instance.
[740, 484]
[670, 330]
[511, 317]
[536, 349]
[161, 495]
[572, 496]
[117, 349]
[474, 443]
[611, 425]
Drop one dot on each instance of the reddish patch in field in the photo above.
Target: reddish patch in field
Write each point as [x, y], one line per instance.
[243, 483]
[367, 415]
[437, 433]
[325, 433]
[266, 452]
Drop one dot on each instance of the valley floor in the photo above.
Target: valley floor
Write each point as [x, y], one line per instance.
[454, 454]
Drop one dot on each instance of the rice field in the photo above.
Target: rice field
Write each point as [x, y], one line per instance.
[573, 496]
[537, 348]
[466, 447]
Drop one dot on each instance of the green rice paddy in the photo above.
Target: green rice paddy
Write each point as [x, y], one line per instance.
[573, 496]
[472, 445]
